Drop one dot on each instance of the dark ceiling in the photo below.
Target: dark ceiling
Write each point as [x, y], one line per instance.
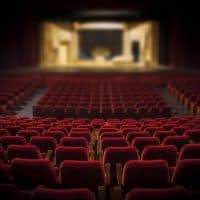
[97, 9]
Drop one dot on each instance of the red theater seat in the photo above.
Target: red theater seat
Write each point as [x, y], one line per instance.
[133, 134]
[161, 135]
[10, 191]
[141, 142]
[74, 142]
[13, 130]
[23, 151]
[30, 173]
[111, 134]
[8, 140]
[70, 153]
[194, 135]
[187, 174]
[151, 130]
[5, 176]
[112, 142]
[47, 145]
[180, 130]
[82, 174]
[116, 157]
[167, 153]
[178, 141]
[62, 194]
[44, 143]
[36, 128]
[145, 174]
[27, 134]
[55, 134]
[179, 193]
[3, 131]
[190, 151]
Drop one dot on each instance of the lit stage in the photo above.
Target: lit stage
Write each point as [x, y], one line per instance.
[106, 46]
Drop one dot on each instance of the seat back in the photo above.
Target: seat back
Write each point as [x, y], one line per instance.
[187, 174]
[74, 142]
[113, 142]
[62, 194]
[194, 135]
[7, 140]
[27, 134]
[114, 155]
[55, 134]
[5, 176]
[44, 143]
[167, 152]
[178, 141]
[70, 153]
[29, 173]
[85, 174]
[10, 191]
[163, 134]
[190, 151]
[179, 193]
[145, 174]
[141, 142]
[23, 151]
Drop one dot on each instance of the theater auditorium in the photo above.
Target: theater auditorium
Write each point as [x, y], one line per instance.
[99, 100]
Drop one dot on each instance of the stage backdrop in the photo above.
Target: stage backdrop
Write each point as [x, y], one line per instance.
[94, 40]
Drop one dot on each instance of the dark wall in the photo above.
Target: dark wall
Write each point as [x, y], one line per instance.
[184, 42]
[18, 42]
[163, 41]
[179, 41]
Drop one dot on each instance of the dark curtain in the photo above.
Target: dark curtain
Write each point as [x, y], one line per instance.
[91, 39]
[18, 42]
[184, 42]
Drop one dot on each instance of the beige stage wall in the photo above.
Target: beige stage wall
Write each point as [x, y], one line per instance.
[59, 44]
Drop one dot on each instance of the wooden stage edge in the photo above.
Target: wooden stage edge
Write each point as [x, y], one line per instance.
[96, 70]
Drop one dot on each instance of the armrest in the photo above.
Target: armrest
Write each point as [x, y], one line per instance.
[100, 156]
[119, 171]
[54, 161]
[90, 146]
[99, 151]
[116, 193]
[108, 174]
[101, 195]
[91, 153]
[48, 155]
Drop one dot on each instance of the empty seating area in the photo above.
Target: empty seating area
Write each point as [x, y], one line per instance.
[46, 157]
[15, 90]
[99, 100]
[99, 138]
[100, 97]
[186, 91]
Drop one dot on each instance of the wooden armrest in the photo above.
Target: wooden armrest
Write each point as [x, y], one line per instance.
[101, 193]
[108, 174]
[119, 173]
[100, 156]
[54, 161]
[116, 193]
[91, 153]
[48, 155]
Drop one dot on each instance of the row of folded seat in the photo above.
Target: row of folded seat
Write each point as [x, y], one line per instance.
[10, 191]
[111, 139]
[101, 99]
[28, 174]
[112, 154]
[186, 92]
[15, 90]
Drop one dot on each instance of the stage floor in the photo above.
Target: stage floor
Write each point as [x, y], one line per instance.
[104, 68]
